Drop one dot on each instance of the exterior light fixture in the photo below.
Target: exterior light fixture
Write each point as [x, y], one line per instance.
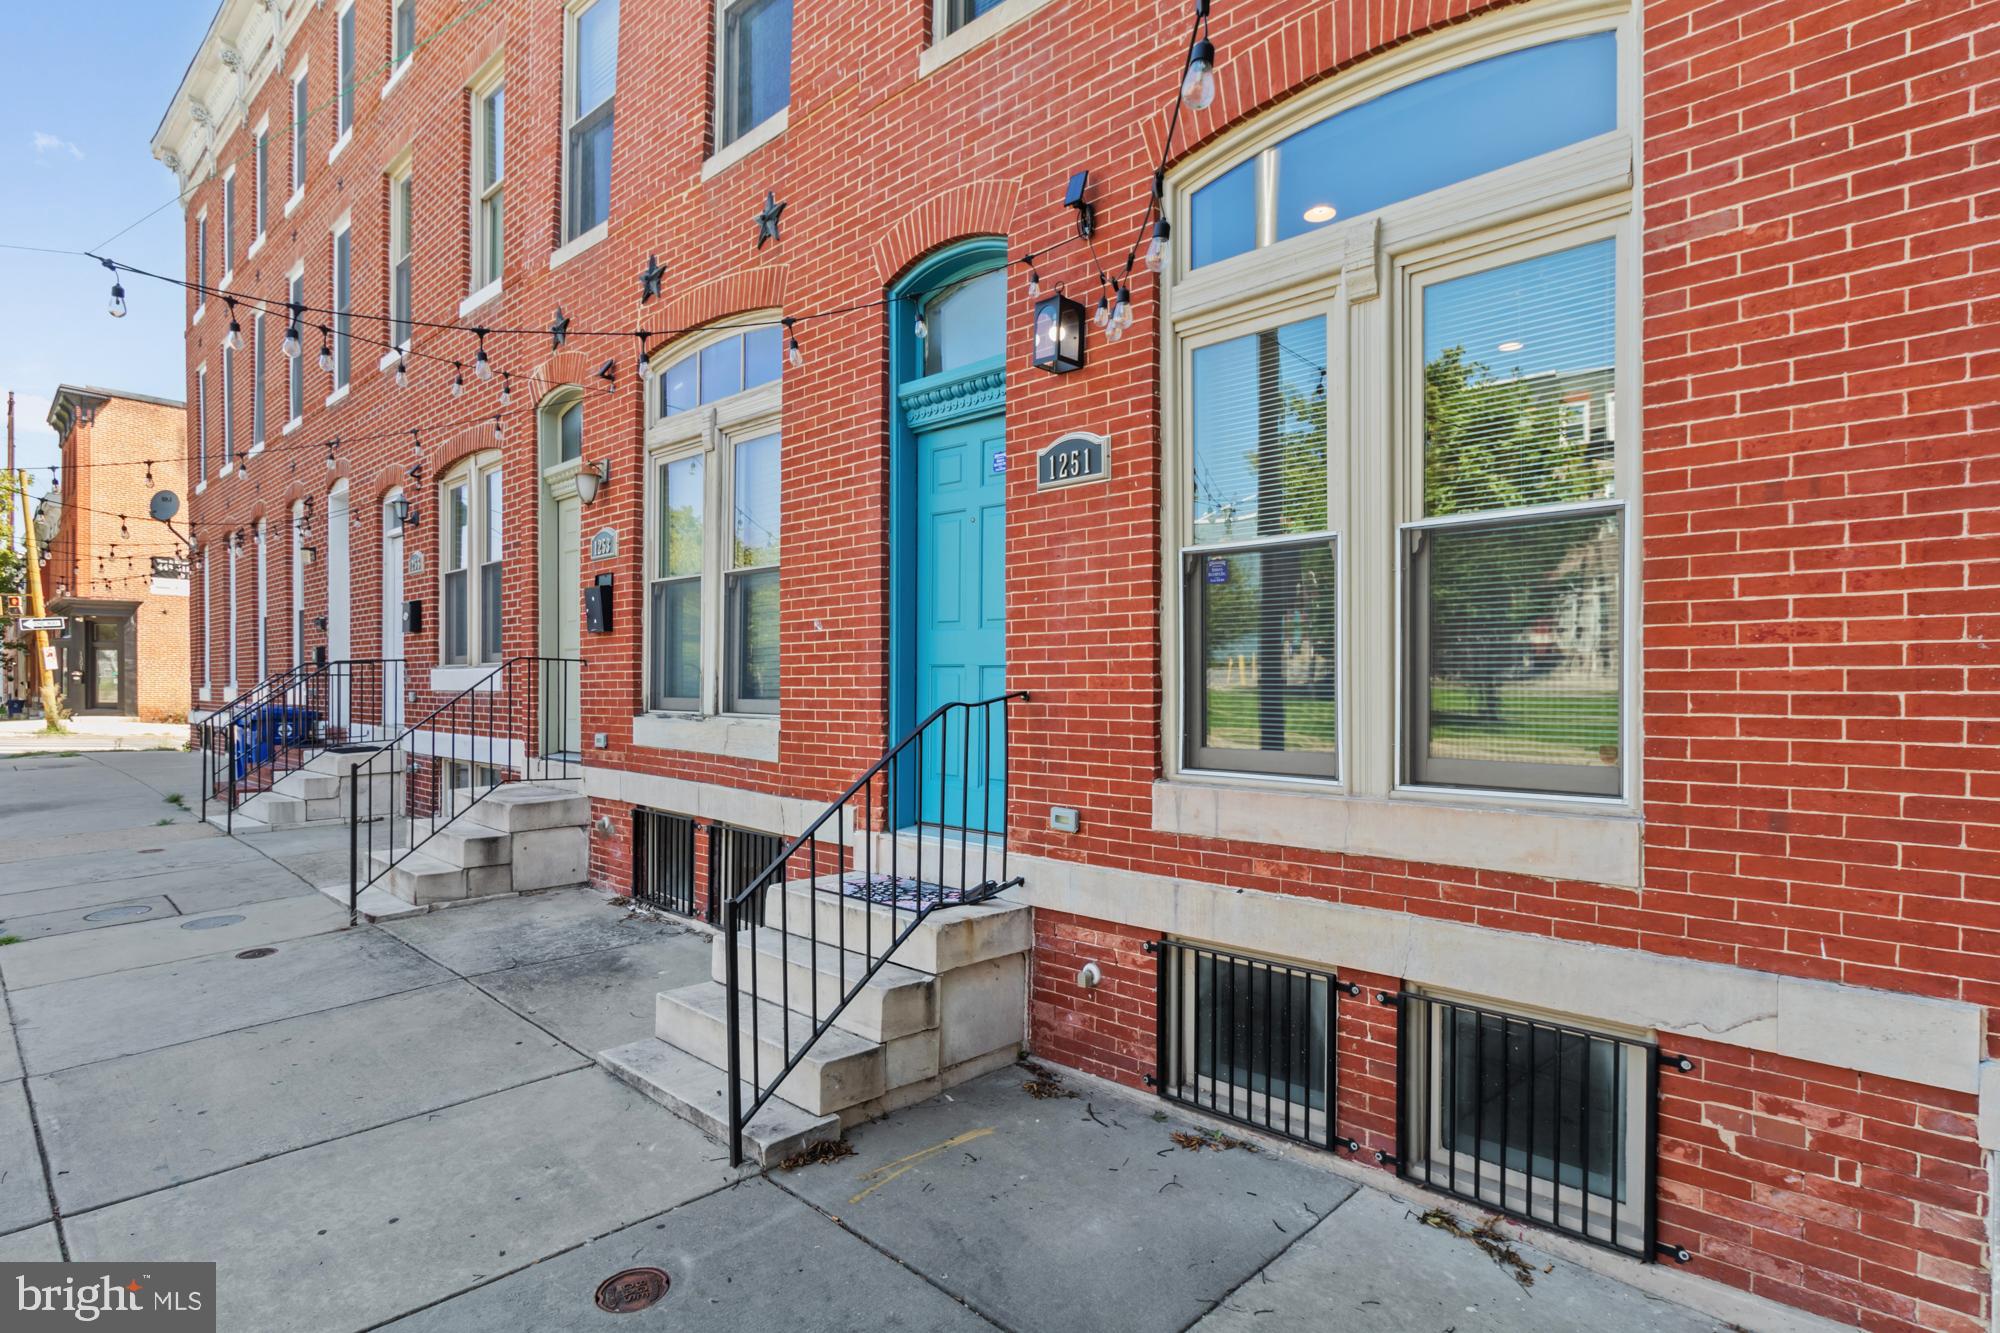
[1058, 334]
[1511, 345]
[117, 306]
[591, 480]
[308, 553]
[1319, 213]
[399, 509]
[1156, 249]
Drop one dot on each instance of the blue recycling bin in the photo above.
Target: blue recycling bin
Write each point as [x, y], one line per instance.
[259, 735]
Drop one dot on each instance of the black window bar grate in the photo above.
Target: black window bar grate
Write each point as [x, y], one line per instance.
[1538, 1120]
[736, 857]
[663, 861]
[1250, 1040]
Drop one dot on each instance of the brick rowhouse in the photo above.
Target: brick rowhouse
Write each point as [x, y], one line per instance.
[1790, 874]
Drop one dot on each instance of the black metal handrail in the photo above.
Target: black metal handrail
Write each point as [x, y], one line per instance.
[898, 794]
[511, 725]
[277, 725]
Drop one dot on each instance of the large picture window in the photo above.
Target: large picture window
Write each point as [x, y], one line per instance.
[1400, 469]
[713, 538]
[587, 116]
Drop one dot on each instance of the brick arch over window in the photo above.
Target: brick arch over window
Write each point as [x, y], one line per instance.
[564, 369]
[980, 208]
[461, 444]
[387, 478]
[732, 294]
[1253, 73]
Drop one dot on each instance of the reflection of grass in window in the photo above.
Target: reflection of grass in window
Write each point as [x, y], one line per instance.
[1561, 726]
[1233, 721]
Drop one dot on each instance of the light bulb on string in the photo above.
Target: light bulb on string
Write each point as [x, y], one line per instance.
[506, 389]
[1157, 248]
[402, 373]
[923, 327]
[233, 340]
[457, 381]
[482, 366]
[330, 446]
[496, 428]
[1034, 283]
[291, 343]
[645, 363]
[117, 306]
[792, 353]
[325, 349]
[1102, 317]
[1198, 84]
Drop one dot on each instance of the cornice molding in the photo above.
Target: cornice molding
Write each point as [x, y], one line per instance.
[927, 404]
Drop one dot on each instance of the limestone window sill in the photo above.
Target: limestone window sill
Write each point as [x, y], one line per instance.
[737, 737]
[975, 34]
[747, 143]
[1603, 848]
[582, 243]
[490, 292]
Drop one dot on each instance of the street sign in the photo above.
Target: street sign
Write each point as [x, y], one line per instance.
[41, 622]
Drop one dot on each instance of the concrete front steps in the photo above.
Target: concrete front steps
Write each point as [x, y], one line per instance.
[518, 838]
[951, 1005]
[319, 792]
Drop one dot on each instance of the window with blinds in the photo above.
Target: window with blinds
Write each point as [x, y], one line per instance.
[1515, 571]
[594, 84]
[675, 592]
[1261, 567]
[751, 584]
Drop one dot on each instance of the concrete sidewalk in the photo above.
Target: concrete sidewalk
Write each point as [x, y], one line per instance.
[400, 1125]
[88, 733]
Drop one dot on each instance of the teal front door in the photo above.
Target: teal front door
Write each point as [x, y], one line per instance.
[961, 616]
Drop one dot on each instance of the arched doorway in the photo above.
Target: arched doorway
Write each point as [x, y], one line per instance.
[949, 516]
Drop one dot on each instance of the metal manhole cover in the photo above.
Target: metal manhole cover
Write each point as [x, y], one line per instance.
[119, 913]
[211, 923]
[256, 953]
[633, 1290]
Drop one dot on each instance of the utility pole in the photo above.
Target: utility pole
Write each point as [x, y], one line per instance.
[51, 699]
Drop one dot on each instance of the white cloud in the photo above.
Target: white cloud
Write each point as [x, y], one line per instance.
[55, 143]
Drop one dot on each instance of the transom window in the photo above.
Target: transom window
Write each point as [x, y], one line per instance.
[1421, 137]
[1400, 472]
[754, 70]
[715, 506]
[966, 322]
[587, 115]
[724, 367]
[472, 533]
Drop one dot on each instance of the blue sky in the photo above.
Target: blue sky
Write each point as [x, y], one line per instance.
[85, 86]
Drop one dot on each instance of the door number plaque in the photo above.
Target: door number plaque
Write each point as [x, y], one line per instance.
[1073, 458]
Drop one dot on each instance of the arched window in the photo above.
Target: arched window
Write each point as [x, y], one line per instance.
[966, 322]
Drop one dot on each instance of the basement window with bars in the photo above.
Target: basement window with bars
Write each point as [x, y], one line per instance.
[1249, 1039]
[663, 861]
[1530, 1116]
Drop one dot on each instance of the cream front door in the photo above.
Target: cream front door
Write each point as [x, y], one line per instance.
[390, 681]
[560, 690]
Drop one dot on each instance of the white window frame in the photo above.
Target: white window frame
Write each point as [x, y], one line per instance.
[341, 321]
[260, 186]
[728, 134]
[228, 227]
[234, 601]
[573, 239]
[1359, 270]
[948, 43]
[295, 370]
[301, 125]
[200, 266]
[400, 51]
[471, 473]
[343, 80]
[298, 610]
[263, 607]
[402, 303]
[207, 622]
[228, 412]
[711, 430]
[260, 405]
[201, 425]
[481, 197]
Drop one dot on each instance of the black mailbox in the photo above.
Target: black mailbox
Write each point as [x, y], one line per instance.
[597, 605]
[319, 655]
[413, 616]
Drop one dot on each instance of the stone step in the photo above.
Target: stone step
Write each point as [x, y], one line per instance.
[697, 1092]
[950, 937]
[839, 1071]
[424, 879]
[461, 843]
[308, 785]
[894, 1002]
[340, 759]
[274, 810]
[523, 807]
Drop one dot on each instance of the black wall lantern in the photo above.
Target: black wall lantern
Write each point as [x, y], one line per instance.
[1058, 334]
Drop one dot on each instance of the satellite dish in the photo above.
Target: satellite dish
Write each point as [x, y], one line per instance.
[165, 505]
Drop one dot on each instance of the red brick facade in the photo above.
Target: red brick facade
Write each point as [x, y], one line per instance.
[1816, 197]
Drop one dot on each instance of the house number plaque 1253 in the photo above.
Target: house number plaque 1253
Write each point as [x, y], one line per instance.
[1073, 458]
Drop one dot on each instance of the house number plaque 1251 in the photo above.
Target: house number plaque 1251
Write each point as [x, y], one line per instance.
[1073, 458]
